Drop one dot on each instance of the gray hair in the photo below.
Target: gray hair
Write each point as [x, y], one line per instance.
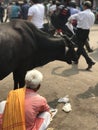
[88, 4]
[33, 79]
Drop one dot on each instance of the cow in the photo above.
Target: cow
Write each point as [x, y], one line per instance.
[24, 47]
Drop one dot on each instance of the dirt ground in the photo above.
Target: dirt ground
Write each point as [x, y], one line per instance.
[61, 79]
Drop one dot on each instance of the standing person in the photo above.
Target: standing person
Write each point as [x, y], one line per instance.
[64, 14]
[52, 7]
[1, 12]
[74, 10]
[24, 10]
[8, 15]
[15, 11]
[60, 17]
[87, 45]
[85, 20]
[36, 14]
[25, 109]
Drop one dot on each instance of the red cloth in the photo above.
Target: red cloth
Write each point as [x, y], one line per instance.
[1, 121]
[38, 123]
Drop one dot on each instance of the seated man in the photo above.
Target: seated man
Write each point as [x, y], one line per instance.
[25, 109]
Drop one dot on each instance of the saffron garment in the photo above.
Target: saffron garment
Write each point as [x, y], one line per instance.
[34, 106]
[14, 116]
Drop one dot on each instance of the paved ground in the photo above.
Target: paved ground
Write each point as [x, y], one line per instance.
[61, 79]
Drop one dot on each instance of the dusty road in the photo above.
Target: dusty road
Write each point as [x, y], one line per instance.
[61, 79]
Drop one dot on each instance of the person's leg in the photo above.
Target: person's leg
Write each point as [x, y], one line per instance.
[89, 61]
[46, 116]
[80, 38]
[87, 45]
[1, 19]
[79, 52]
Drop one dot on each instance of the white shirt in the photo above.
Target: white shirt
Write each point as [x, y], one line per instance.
[37, 11]
[85, 19]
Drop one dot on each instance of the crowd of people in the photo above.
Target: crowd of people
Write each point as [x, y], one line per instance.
[17, 11]
[69, 13]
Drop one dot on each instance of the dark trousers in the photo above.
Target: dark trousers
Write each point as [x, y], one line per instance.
[1, 19]
[87, 45]
[81, 37]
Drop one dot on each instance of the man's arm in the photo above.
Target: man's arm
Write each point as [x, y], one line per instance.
[29, 18]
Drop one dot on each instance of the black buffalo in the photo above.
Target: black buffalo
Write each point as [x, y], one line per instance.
[24, 47]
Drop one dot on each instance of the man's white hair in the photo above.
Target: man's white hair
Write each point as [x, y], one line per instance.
[33, 78]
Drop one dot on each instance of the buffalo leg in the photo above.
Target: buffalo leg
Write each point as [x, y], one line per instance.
[19, 79]
[15, 80]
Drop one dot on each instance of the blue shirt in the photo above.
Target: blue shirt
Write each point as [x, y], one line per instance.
[15, 10]
[74, 11]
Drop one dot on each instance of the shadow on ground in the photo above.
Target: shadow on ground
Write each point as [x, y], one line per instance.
[53, 103]
[67, 72]
[94, 55]
[91, 92]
